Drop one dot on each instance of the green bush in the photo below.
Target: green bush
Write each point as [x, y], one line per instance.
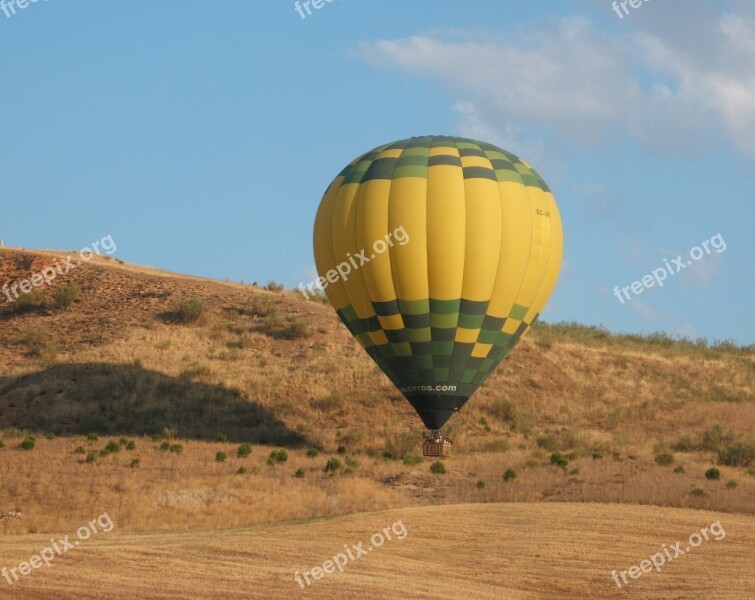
[299, 473]
[679, 469]
[715, 437]
[190, 309]
[732, 484]
[222, 437]
[279, 456]
[739, 454]
[664, 459]
[165, 446]
[332, 465]
[2, 444]
[548, 441]
[312, 452]
[221, 457]
[438, 468]
[93, 437]
[244, 450]
[50, 436]
[66, 295]
[412, 459]
[134, 463]
[559, 460]
[480, 484]
[713, 473]
[510, 474]
[113, 446]
[28, 443]
[241, 471]
[91, 458]
[131, 445]
[176, 448]
[27, 302]
[698, 493]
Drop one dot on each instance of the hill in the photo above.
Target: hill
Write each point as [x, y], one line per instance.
[135, 382]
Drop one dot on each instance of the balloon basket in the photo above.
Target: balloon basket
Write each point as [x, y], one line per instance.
[436, 445]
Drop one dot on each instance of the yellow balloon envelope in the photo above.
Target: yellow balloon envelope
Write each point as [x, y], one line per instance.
[438, 253]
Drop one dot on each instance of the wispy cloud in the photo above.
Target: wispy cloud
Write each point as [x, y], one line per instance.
[657, 83]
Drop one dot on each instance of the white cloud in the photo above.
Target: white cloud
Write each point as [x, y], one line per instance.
[678, 82]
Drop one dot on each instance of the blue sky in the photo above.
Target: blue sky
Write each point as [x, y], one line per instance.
[202, 135]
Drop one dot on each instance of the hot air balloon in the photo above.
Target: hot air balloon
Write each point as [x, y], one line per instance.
[438, 253]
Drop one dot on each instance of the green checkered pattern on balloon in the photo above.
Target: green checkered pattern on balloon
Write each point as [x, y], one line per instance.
[415, 160]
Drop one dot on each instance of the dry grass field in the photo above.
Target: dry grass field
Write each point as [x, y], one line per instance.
[492, 551]
[204, 417]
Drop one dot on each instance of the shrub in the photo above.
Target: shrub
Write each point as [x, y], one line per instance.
[93, 437]
[740, 454]
[480, 484]
[176, 448]
[66, 295]
[190, 309]
[244, 450]
[438, 468]
[274, 286]
[165, 446]
[679, 469]
[548, 441]
[732, 484]
[134, 463]
[170, 433]
[412, 459]
[113, 446]
[664, 459]
[332, 465]
[2, 444]
[715, 437]
[28, 302]
[301, 328]
[299, 473]
[50, 436]
[698, 493]
[221, 457]
[28, 443]
[312, 452]
[279, 456]
[131, 445]
[559, 460]
[241, 471]
[510, 474]
[713, 473]
[123, 441]
[222, 437]
[91, 458]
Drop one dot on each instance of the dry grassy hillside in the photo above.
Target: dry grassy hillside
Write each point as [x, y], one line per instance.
[182, 369]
